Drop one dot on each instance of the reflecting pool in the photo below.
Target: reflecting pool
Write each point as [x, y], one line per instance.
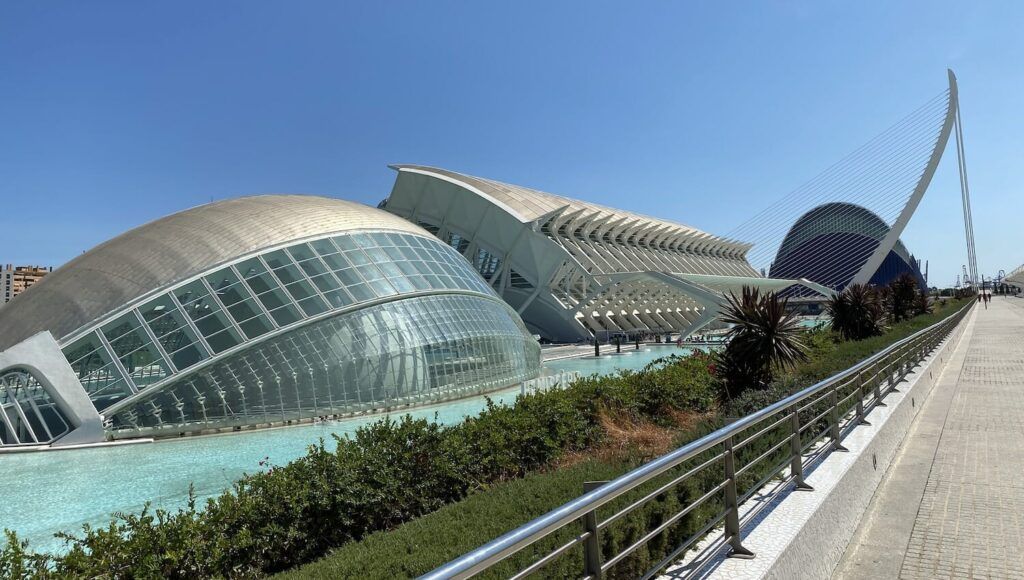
[60, 490]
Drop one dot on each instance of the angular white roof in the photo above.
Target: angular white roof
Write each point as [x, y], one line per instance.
[529, 204]
[172, 249]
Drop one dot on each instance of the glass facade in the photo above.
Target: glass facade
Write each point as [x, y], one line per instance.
[138, 367]
[28, 416]
[408, 351]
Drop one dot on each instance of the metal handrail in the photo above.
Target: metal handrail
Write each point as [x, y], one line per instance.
[889, 365]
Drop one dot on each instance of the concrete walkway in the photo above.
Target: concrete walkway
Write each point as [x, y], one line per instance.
[952, 503]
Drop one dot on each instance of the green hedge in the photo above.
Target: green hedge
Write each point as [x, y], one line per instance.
[390, 472]
[421, 545]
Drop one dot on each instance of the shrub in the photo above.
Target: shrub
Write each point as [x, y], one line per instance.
[901, 296]
[857, 312]
[388, 473]
[764, 337]
[922, 304]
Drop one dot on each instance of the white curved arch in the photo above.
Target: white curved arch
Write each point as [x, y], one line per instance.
[890, 239]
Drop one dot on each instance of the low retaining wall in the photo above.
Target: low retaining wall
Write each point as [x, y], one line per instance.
[803, 534]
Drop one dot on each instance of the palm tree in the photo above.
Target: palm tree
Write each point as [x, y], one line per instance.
[764, 338]
[901, 297]
[922, 304]
[857, 312]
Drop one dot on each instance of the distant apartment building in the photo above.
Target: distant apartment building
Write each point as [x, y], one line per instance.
[16, 279]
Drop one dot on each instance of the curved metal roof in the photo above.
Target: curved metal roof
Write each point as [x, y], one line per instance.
[171, 249]
[530, 204]
[838, 217]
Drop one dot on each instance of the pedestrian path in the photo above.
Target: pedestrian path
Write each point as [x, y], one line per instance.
[952, 504]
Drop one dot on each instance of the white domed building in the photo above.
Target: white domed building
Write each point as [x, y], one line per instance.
[251, 312]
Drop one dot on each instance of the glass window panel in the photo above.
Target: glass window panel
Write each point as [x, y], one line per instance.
[178, 339]
[324, 247]
[201, 308]
[301, 252]
[222, 280]
[326, 283]
[313, 268]
[407, 268]
[123, 336]
[277, 259]
[337, 262]
[313, 305]
[380, 239]
[262, 283]
[345, 242]
[377, 255]
[382, 288]
[251, 267]
[186, 357]
[338, 298]
[191, 292]
[349, 277]
[223, 340]
[410, 253]
[288, 274]
[389, 269]
[155, 310]
[285, 315]
[88, 346]
[300, 290]
[369, 273]
[274, 299]
[244, 310]
[363, 240]
[419, 282]
[216, 322]
[402, 284]
[395, 239]
[256, 326]
[361, 292]
[394, 254]
[357, 257]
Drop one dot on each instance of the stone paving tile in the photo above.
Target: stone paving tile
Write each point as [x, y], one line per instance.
[970, 523]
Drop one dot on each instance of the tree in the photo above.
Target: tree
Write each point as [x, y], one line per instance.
[901, 297]
[764, 338]
[922, 304]
[857, 312]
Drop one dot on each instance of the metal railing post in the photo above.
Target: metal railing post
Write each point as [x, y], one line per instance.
[592, 544]
[732, 506]
[860, 400]
[834, 431]
[878, 387]
[796, 462]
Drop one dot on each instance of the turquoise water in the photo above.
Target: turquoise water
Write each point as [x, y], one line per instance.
[611, 362]
[814, 322]
[50, 491]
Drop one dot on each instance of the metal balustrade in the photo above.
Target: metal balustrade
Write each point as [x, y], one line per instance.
[778, 441]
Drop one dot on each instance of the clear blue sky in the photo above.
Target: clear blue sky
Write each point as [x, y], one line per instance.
[116, 113]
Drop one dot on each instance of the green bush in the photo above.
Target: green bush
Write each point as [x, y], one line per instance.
[389, 472]
[423, 544]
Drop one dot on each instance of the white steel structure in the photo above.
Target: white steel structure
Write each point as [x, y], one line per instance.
[574, 269]
[251, 312]
[885, 178]
[1016, 278]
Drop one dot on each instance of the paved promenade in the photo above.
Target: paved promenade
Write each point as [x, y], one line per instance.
[952, 504]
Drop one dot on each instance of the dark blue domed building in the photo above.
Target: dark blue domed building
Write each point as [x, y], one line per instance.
[833, 242]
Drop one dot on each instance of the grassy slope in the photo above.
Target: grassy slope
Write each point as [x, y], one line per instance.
[429, 541]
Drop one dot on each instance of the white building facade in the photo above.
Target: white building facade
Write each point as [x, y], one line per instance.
[575, 270]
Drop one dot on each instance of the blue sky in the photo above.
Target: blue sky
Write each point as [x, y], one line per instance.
[116, 113]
